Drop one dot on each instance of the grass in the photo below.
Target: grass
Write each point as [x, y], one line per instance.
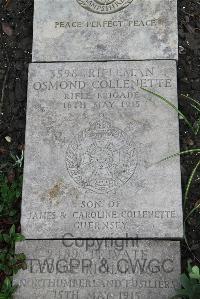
[10, 201]
[10, 262]
[190, 281]
[10, 193]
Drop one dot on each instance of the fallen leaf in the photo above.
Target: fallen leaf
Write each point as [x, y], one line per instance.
[7, 29]
[3, 151]
[8, 139]
[8, 2]
[21, 147]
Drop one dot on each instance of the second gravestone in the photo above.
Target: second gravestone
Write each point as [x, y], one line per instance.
[99, 269]
[93, 141]
[85, 30]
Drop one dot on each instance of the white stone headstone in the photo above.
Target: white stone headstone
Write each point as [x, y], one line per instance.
[99, 269]
[85, 30]
[93, 140]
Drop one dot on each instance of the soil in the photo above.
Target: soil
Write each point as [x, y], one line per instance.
[189, 84]
[16, 18]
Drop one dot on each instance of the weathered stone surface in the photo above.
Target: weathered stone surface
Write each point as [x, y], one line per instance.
[99, 269]
[71, 30]
[93, 140]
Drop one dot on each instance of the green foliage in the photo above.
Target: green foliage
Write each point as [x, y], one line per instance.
[10, 262]
[12, 161]
[9, 196]
[196, 105]
[193, 173]
[18, 161]
[190, 283]
[7, 289]
[195, 127]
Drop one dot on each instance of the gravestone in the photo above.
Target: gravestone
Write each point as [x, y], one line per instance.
[93, 142]
[99, 269]
[87, 30]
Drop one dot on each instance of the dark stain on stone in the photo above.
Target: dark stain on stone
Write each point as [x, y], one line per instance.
[54, 192]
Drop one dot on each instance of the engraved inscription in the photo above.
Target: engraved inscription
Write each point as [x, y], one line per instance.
[93, 135]
[104, 6]
[101, 158]
[98, 269]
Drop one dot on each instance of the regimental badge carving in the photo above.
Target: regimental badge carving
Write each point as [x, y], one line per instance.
[104, 6]
[101, 158]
